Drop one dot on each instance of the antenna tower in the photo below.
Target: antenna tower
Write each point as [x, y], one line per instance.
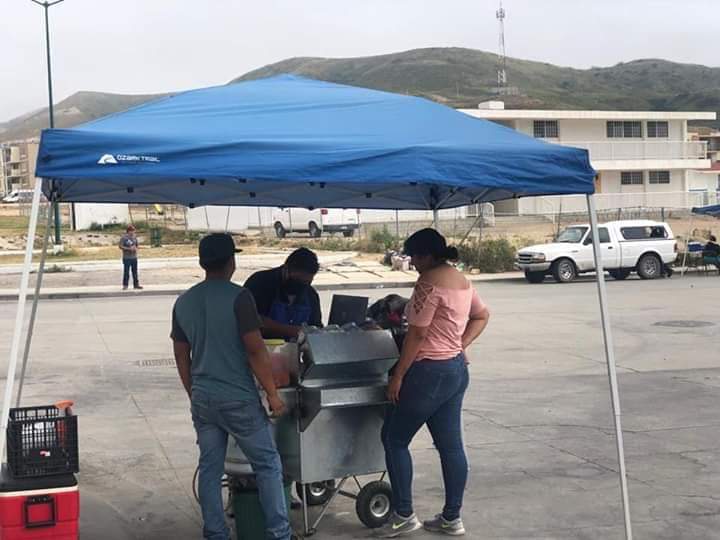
[502, 59]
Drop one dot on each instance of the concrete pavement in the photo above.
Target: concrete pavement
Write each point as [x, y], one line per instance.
[264, 259]
[537, 415]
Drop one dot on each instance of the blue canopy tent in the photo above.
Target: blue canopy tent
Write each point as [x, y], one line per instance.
[293, 142]
[713, 210]
[288, 141]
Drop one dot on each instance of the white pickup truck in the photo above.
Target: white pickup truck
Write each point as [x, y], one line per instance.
[638, 246]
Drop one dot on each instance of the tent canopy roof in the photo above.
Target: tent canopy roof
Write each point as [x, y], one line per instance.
[289, 141]
[713, 210]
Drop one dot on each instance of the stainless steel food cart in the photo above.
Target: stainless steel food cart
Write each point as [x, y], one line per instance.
[332, 433]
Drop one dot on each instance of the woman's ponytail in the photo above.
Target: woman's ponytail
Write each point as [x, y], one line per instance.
[451, 253]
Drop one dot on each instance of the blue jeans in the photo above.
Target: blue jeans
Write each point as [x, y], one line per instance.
[130, 265]
[432, 393]
[247, 422]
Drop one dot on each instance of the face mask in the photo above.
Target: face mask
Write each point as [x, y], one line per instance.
[293, 286]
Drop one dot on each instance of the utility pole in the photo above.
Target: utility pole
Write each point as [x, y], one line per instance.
[47, 5]
[3, 178]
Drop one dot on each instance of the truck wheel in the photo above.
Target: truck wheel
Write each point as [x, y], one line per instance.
[535, 277]
[620, 273]
[317, 493]
[348, 234]
[649, 266]
[564, 271]
[280, 231]
[315, 231]
[373, 504]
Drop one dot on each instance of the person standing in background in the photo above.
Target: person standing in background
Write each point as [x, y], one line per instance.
[129, 246]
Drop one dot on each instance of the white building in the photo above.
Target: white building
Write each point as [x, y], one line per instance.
[644, 159]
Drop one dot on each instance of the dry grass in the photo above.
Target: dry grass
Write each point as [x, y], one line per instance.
[108, 253]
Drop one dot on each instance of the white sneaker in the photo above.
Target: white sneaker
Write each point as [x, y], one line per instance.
[441, 525]
[398, 526]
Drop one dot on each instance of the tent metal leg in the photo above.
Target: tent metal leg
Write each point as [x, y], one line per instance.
[19, 315]
[397, 227]
[610, 357]
[436, 219]
[687, 241]
[36, 299]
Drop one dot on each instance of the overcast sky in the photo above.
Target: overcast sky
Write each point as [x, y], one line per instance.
[143, 46]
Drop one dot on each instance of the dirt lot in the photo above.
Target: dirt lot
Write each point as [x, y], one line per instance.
[100, 245]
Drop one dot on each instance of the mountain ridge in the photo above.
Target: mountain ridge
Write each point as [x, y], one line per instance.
[457, 77]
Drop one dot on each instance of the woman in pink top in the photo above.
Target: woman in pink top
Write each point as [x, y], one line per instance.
[445, 315]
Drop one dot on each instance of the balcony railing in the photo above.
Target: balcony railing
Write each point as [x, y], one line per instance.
[624, 150]
[577, 204]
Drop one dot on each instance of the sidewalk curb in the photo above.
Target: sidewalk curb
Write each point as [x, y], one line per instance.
[78, 294]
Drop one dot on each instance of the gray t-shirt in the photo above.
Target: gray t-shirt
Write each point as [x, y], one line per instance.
[212, 317]
[128, 241]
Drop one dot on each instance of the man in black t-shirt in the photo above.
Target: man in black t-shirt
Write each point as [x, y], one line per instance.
[712, 248]
[285, 297]
[712, 251]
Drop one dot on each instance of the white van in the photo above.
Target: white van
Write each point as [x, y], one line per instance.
[315, 222]
[18, 195]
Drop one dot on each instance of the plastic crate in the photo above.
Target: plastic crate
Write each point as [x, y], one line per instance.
[42, 441]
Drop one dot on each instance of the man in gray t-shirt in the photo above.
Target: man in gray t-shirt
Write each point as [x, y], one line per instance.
[129, 246]
[218, 349]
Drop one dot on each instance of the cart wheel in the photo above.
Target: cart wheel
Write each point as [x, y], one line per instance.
[374, 503]
[317, 493]
[226, 491]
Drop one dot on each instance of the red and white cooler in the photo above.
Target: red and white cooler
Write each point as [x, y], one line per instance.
[41, 508]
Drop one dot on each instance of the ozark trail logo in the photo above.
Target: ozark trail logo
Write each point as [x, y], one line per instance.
[109, 159]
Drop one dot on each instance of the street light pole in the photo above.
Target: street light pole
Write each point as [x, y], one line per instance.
[47, 5]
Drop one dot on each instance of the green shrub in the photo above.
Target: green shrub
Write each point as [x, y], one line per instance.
[381, 241]
[192, 237]
[108, 227]
[57, 269]
[489, 256]
[67, 252]
[336, 244]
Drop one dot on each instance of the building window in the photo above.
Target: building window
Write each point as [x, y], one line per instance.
[658, 177]
[621, 129]
[545, 129]
[631, 178]
[658, 130]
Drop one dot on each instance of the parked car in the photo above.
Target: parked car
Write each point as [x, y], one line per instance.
[315, 222]
[18, 195]
[638, 246]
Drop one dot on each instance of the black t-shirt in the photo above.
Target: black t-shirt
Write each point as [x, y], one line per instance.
[712, 249]
[266, 287]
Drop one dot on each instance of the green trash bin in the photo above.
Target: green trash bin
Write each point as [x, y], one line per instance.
[249, 518]
[155, 237]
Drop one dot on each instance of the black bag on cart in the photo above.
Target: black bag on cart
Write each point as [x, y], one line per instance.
[389, 314]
